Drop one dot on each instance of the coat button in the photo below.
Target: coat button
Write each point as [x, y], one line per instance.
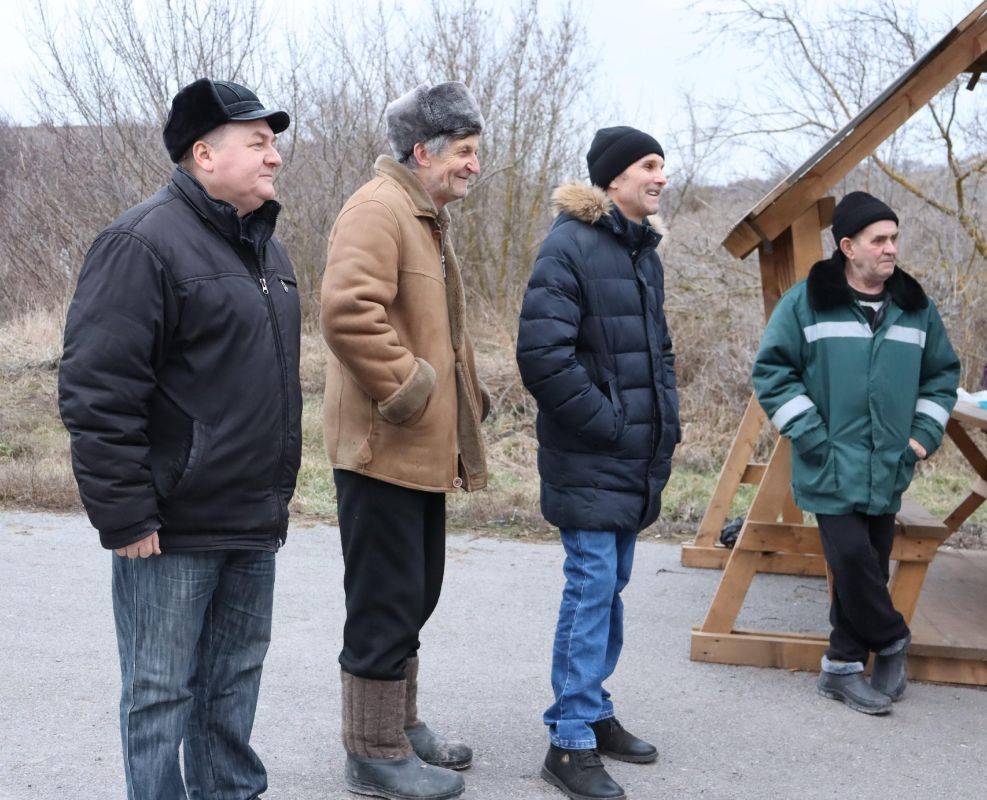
[457, 483]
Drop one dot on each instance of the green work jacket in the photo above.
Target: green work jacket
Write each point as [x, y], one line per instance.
[849, 398]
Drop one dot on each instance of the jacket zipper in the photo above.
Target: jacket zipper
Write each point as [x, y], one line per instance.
[642, 290]
[259, 256]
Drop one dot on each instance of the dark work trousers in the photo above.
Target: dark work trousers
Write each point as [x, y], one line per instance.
[858, 550]
[394, 548]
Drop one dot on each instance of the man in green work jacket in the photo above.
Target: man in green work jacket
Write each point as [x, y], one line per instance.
[856, 368]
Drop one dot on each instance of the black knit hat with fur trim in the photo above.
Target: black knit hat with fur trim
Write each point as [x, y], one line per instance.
[614, 149]
[855, 212]
[204, 105]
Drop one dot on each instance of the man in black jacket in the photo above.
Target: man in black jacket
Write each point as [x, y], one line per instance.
[594, 350]
[179, 386]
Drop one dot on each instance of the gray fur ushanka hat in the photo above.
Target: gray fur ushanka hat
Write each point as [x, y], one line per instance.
[428, 111]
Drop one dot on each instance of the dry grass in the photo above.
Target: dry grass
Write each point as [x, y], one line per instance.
[35, 470]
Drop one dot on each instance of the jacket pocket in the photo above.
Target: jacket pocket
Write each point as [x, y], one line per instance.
[815, 475]
[196, 455]
[906, 470]
[618, 406]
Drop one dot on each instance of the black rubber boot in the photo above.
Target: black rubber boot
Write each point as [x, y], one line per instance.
[613, 741]
[853, 690]
[890, 672]
[428, 745]
[435, 749]
[401, 778]
[580, 774]
[380, 761]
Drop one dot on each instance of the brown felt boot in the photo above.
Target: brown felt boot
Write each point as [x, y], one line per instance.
[379, 759]
[428, 745]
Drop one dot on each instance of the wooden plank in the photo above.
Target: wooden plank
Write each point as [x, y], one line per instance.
[786, 652]
[731, 591]
[774, 259]
[963, 511]
[906, 586]
[700, 557]
[793, 652]
[753, 474]
[967, 447]
[774, 487]
[732, 473]
[917, 523]
[790, 512]
[773, 537]
[806, 241]
[951, 56]
[952, 611]
[969, 414]
[744, 564]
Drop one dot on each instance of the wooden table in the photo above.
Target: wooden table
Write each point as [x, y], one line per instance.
[968, 415]
[942, 594]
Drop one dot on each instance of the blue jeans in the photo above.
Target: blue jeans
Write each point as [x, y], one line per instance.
[589, 634]
[192, 631]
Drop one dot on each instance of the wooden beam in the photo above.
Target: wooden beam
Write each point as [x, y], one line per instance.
[906, 586]
[926, 662]
[774, 537]
[967, 447]
[731, 591]
[753, 474]
[703, 557]
[732, 473]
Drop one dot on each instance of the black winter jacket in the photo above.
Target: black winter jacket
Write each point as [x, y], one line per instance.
[594, 351]
[179, 380]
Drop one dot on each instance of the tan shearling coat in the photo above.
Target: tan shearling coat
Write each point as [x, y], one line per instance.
[403, 403]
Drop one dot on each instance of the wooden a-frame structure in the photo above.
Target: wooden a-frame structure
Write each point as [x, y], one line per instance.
[786, 229]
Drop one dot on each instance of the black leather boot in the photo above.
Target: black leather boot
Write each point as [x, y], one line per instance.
[613, 741]
[853, 690]
[580, 774]
[890, 672]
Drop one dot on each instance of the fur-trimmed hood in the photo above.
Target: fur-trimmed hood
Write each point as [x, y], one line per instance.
[590, 204]
[827, 286]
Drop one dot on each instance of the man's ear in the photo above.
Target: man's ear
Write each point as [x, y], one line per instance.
[421, 155]
[846, 246]
[202, 155]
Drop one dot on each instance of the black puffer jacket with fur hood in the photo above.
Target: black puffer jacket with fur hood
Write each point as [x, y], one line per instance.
[595, 352]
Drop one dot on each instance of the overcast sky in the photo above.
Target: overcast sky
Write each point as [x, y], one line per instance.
[649, 51]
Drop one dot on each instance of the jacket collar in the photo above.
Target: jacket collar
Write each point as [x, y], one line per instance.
[421, 202]
[255, 228]
[828, 288]
[590, 204]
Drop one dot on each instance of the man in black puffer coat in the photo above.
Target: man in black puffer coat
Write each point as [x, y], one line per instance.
[595, 352]
[179, 386]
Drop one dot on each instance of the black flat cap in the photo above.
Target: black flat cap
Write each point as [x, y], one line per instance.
[205, 104]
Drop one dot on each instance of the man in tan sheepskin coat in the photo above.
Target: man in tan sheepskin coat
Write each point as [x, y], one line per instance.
[403, 408]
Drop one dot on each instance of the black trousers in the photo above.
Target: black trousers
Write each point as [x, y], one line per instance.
[394, 546]
[858, 549]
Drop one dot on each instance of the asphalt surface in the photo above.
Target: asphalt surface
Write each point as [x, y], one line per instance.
[723, 732]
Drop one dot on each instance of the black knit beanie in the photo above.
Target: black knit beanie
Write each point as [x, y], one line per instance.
[615, 149]
[855, 212]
